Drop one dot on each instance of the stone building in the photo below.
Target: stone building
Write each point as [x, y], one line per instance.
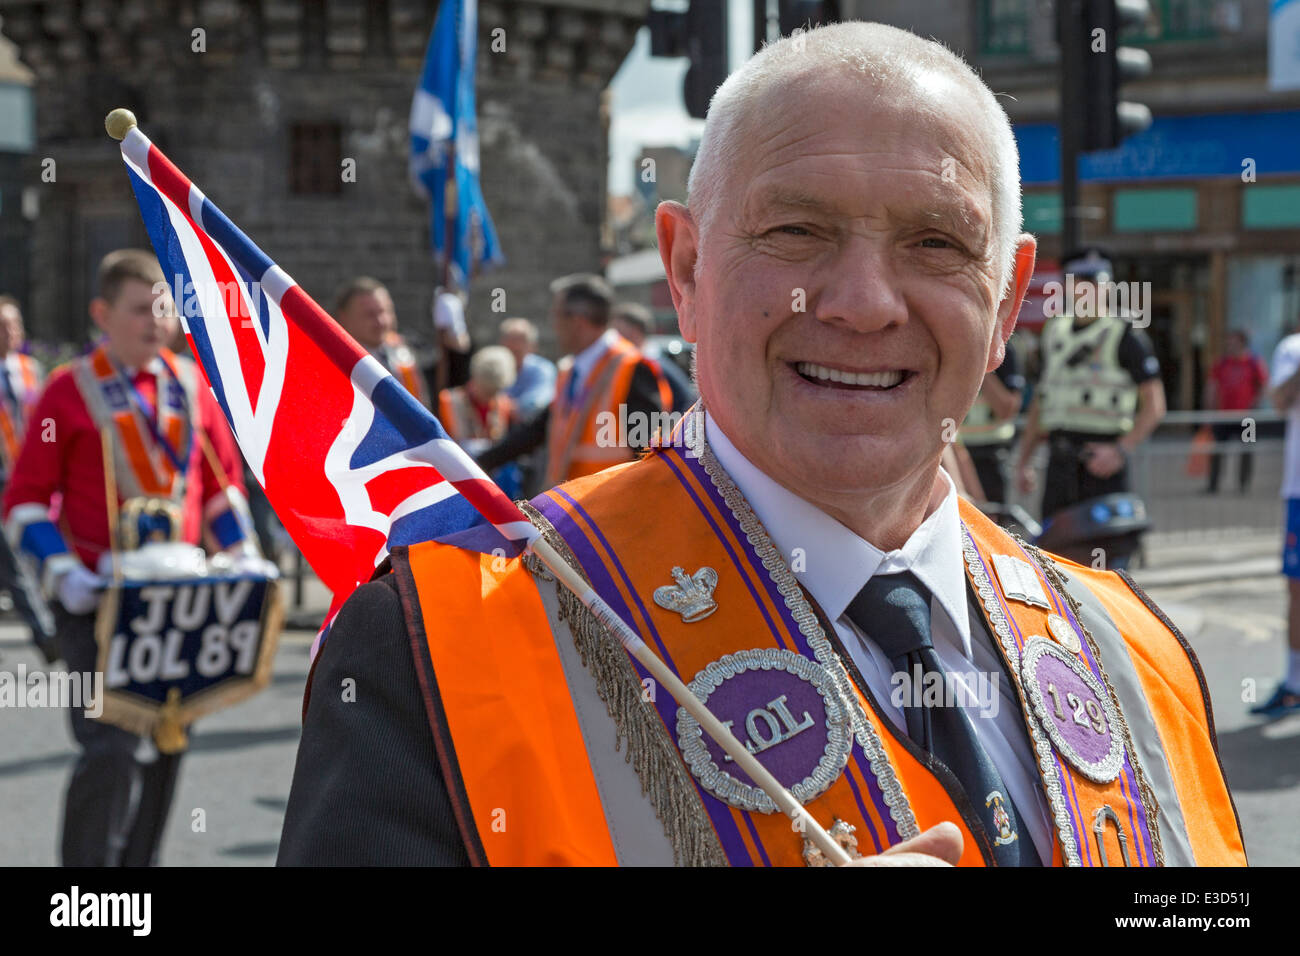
[261, 102]
[17, 132]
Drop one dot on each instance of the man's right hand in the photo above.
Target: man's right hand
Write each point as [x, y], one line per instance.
[78, 589]
[938, 846]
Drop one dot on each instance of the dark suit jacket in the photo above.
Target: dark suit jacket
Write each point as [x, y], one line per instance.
[367, 789]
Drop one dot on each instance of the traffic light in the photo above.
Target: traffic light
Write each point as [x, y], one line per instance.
[1095, 66]
[699, 33]
[706, 45]
[667, 32]
[801, 14]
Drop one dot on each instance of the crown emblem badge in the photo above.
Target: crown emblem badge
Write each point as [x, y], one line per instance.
[691, 596]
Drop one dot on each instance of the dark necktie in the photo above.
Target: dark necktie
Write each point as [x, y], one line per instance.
[10, 394]
[894, 611]
[572, 391]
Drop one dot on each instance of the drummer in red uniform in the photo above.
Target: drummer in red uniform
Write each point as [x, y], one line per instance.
[157, 414]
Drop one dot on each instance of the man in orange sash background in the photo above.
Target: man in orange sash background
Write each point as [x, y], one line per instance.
[604, 380]
[365, 309]
[850, 266]
[21, 378]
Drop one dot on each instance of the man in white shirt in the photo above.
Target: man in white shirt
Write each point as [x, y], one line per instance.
[1284, 390]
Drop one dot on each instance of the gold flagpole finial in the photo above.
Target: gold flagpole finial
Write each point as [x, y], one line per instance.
[119, 123]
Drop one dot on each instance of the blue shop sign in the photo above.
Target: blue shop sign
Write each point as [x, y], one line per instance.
[1209, 144]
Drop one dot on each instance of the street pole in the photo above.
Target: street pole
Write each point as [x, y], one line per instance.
[1069, 21]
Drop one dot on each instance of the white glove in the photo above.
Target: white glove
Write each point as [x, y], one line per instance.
[242, 562]
[78, 589]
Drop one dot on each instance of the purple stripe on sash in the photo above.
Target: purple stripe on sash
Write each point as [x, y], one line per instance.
[866, 817]
[1136, 797]
[696, 465]
[725, 511]
[753, 833]
[724, 823]
[590, 560]
[891, 833]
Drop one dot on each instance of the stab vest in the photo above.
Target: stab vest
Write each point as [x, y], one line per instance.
[556, 748]
[1083, 387]
[577, 444]
[980, 427]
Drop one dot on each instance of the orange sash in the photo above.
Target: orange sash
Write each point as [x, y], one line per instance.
[574, 448]
[510, 741]
[142, 467]
[13, 420]
[401, 362]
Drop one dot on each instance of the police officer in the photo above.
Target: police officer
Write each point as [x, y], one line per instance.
[989, 429]
[1099, 395]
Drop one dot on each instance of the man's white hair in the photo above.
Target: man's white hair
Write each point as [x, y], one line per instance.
[882, 53]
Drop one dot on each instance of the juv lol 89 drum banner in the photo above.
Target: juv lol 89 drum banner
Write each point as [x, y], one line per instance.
[172, 651]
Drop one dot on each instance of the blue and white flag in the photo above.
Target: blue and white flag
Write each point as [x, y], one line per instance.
[443, 126]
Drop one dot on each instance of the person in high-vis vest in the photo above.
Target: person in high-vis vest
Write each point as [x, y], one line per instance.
[989, 429]
[21, 377]
[129, 419]
[365, 310]
[1099, 395]
[792, 550]
[610, 400]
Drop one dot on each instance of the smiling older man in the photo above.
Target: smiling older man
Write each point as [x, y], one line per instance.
[850, 268]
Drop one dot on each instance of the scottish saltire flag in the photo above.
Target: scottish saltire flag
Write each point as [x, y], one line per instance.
[443, 116]
[351, 462]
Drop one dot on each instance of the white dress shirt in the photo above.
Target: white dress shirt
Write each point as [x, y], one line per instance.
[833, 565]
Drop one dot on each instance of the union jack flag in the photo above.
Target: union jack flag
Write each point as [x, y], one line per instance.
[350, 461]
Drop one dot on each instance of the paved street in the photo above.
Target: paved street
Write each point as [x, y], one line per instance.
[1236, 630]
[239, 769]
